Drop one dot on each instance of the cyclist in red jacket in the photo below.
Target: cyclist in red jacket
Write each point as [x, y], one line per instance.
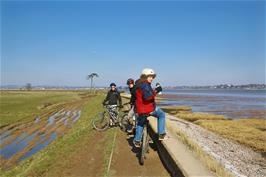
[146, 105]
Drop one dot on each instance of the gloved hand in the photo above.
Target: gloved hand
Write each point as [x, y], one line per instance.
[158, 88]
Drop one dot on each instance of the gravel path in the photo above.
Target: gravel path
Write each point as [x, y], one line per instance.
[239, 160]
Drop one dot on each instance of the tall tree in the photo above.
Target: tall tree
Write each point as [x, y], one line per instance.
[91, 77]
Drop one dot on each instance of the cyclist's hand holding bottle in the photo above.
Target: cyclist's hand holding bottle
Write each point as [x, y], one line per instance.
[158, 89]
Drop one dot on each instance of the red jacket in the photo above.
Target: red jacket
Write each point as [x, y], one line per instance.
[145, 98]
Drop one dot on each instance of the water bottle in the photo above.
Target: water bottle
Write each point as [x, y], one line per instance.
[158, 85]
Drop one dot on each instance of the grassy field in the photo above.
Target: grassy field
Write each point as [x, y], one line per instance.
[23, 105]
[80, 142]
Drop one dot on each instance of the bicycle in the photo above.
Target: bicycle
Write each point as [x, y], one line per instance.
[144, 148]
[110, 117]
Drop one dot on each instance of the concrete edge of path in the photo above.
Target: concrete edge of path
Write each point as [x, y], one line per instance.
[176, 155]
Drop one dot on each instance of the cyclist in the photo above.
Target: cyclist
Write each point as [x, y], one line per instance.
[145, 105]
[113, 98]
[131, 113]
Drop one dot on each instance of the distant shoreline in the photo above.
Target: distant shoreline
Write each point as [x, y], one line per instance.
[237, 89]
[123, 87]
[166, 89]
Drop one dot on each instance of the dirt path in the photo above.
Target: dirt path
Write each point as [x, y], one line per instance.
[125, 162]
[87, 159]
[90, 158]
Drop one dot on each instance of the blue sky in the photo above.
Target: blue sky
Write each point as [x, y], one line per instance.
[185, 42]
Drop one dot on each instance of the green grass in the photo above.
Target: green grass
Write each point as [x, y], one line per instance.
[17, 105]
[43, 162]
[249, 132]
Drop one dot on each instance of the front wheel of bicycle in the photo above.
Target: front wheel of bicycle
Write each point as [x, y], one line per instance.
[144, 145]
[101, 121]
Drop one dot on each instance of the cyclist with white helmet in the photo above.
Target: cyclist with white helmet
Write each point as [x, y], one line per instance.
[145, 105]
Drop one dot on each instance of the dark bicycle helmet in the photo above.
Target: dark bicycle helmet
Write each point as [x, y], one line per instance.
[112, 84]
[130, 81]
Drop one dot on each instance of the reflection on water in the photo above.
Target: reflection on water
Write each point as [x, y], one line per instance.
[22, 141]
[40, 145]
[231, 103]
[16, 146]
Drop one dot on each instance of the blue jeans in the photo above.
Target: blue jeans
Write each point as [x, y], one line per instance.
[160, 123]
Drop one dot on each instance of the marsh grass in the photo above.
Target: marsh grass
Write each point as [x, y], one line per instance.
[176, 109]
[199, 116]
[249, 132]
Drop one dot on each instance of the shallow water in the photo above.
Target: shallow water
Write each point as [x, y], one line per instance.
[16, 145]
[39, 146]
[231, 103]
[35, 137]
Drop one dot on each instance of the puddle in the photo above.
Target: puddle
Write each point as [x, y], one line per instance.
[2, 140]
[39, 146]
[14, 147]
[61, 119]
[42, 133]
[51, 119]
[77, 116]
[18, 139]
[2, 135]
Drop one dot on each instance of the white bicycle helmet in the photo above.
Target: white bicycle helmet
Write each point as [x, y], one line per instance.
[148, 72]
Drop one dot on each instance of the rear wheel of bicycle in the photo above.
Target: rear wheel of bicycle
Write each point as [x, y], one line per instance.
[144, 145]
[124, 122]
[101, 121]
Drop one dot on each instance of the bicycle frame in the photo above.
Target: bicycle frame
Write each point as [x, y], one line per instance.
[112, 111]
